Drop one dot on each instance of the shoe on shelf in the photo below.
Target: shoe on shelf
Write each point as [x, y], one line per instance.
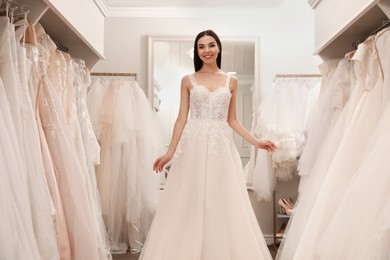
[281, 231]
[285, 206]
[291, 202]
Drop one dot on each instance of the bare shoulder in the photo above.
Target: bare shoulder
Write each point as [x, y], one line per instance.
[233, 79]
[185, 82]
[233, 83]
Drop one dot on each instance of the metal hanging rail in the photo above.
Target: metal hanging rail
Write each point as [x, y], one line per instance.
[298, 76]
[114, 74]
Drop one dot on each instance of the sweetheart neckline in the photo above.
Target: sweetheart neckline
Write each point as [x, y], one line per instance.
[211, 92]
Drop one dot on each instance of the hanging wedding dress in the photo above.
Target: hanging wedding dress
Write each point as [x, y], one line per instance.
[50, 171]
[16, 235]
[87, 147]
[360, 221]
[128, 188]
[12, 143]
[80, 218]
[333, 99]
[348, 156]
[281, 119]
[95, 99]
[316, 128]
[41, 202]
[205, 212]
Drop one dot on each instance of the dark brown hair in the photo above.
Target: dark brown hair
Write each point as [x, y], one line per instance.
[198, 63]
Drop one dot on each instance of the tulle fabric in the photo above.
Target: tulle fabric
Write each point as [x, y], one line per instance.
[281, 118]
[317, 208]
[95, 97]
[17, 240]
[310, 183]
[49, 169]
[129, 190]
[13, 140]
[72, 180]
[263, 179]
[90, 146]
[42, 204]
[352, 148]
[365, 196]
[332, 98]
[361, 220]
[205, 212]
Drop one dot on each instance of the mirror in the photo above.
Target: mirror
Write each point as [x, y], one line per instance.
[170, 58]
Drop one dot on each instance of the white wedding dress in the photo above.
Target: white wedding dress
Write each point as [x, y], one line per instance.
[128, 188]
[360, 220]
[205, 212]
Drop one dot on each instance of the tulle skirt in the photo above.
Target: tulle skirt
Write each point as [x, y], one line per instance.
[205, 212]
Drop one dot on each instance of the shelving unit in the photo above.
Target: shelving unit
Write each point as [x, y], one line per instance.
[284, 218]
[339, 24]
[65, 22]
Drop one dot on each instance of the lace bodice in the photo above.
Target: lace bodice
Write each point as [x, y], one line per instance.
[207, 105]
[208, 115]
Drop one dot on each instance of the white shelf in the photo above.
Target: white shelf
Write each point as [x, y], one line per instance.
[83, 37]
[278, 215]
[338, 27]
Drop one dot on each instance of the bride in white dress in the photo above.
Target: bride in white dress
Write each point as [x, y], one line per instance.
[205, 212]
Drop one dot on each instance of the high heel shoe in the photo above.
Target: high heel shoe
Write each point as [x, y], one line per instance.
[281, 231]
[291, 202]
[285, 206]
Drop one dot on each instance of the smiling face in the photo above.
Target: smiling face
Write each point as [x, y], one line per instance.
[208, 49]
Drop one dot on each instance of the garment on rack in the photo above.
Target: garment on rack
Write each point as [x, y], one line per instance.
[321, 226]
[90, 145]
[281, 118]
[17, 140]
[66, 146]
[126, 130]
[49, 168]
[41, 201]
[53, 210]
[331, 99]
[364, 190]
[328, 109]
[17, 240]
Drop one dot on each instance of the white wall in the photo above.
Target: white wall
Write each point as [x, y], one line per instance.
[286, 36]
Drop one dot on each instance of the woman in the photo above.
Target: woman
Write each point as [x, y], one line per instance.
[205, 212]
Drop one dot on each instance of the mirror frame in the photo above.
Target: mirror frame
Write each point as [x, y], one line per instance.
[172, 38]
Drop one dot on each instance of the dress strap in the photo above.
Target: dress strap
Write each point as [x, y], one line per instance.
[227, 83]
[192, 80]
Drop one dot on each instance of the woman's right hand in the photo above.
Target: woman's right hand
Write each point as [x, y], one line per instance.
[160, 163]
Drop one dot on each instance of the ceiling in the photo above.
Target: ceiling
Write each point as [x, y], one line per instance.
[189, 3]
[178, 8]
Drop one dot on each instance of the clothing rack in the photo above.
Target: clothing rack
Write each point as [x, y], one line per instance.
[13, 8]
[385, 24]
[114, 74]
[60, 46]
[298, 76]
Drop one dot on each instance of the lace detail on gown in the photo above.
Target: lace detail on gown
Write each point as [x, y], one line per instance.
[208, 115]
[205, 203]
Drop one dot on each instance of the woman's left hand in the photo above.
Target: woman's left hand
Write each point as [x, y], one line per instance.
[266, 145]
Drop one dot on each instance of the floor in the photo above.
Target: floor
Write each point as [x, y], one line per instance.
[129, 256]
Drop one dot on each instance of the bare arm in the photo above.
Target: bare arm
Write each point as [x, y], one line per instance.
[239, 128]
[181, 121]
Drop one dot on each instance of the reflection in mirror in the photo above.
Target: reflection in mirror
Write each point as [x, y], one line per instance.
[171, 58]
